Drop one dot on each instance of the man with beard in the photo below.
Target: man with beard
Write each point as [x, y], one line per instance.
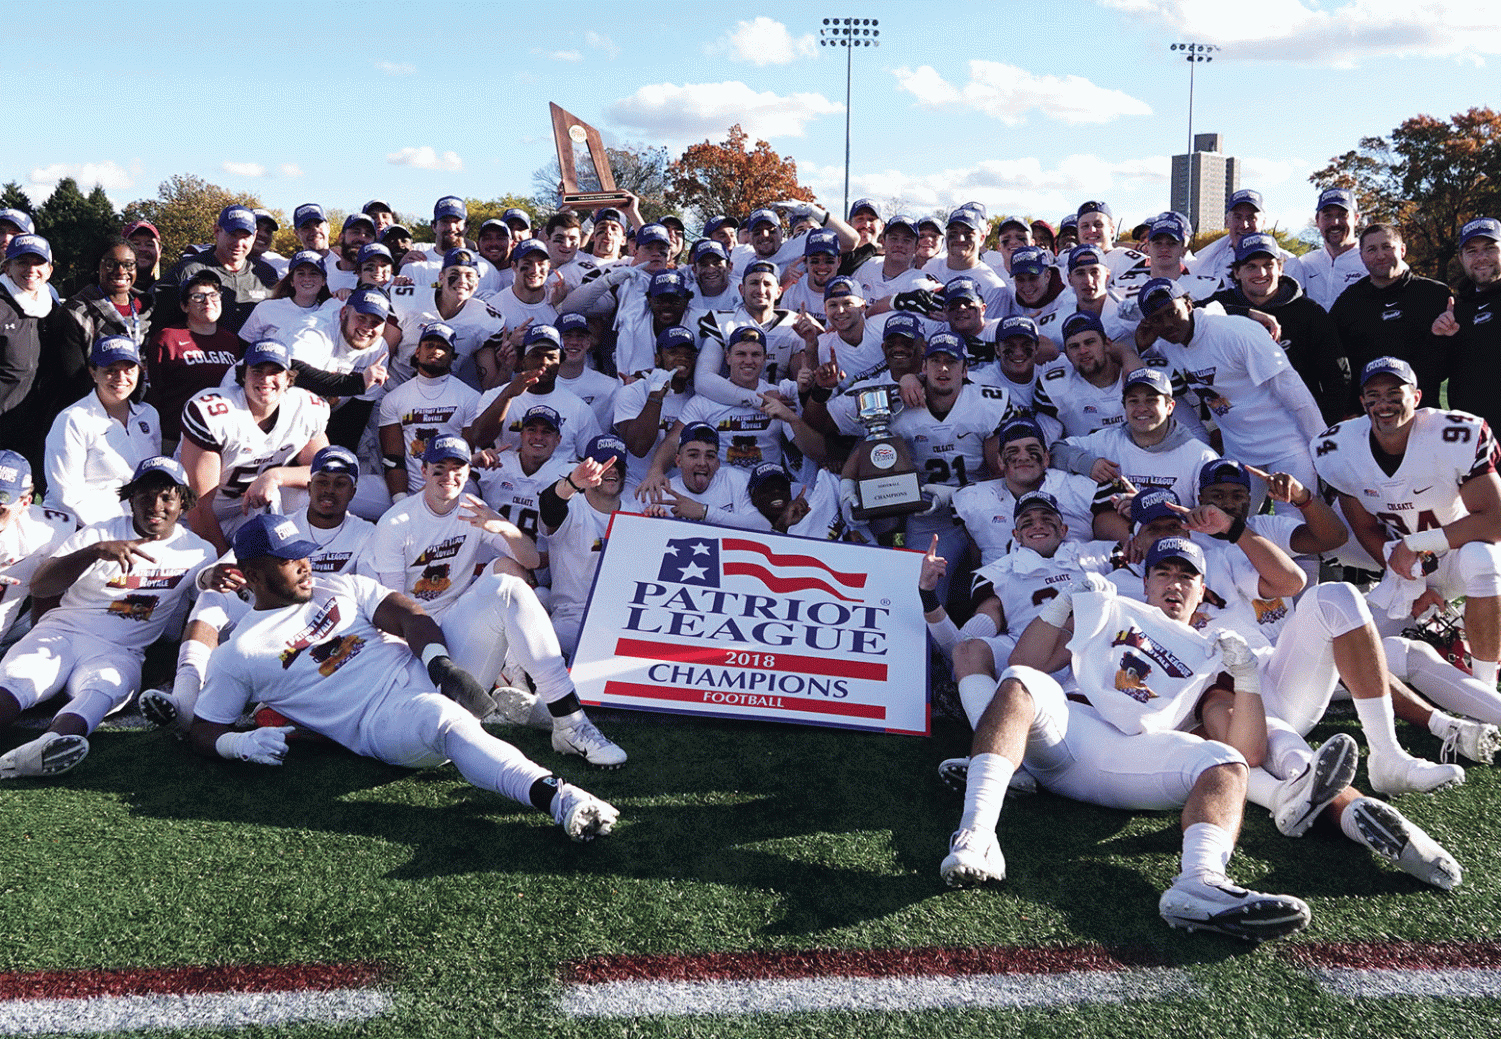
[495, 246]
[450, 217]
[646, 409]
[120, 583]
[358, 231]
[710, 262]
[1083, 391]
[1336, 265]
[350, 372]
[1473, 320]
[428, 405]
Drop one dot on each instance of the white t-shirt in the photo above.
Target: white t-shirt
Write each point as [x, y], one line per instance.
[429, 557]
[425, 408]
[32, 535]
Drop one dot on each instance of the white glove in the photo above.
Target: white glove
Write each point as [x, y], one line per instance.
[1236, 655]
[657, 378]
[848, 496]
[262, 746]
[1057, 609]
[940, 497]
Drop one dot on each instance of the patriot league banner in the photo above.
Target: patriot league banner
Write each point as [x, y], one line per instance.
[694, 619]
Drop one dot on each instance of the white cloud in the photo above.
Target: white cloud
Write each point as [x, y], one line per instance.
[243, 169]
[763, 41]
[601, 42]
[426, 158]
[709, 109]
[560, 55]
[289, 169]
[1007, 93]
[1337, 33]
[392, 68]
[108, 175]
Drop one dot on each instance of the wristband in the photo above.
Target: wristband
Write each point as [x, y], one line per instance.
[1434, 541]
[431, 652]
[390, 462]
[1306, 501]
[821, 394]
[929, 599]
[1237, 528]
[568, 479]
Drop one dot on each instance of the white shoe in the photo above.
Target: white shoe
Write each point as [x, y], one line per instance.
[955, 775]
[582, 815]
[48, 755]
[1394, 837]
[585, 740]
[160, 708]
[516, 706]
[1301, 798]
[973, 858]
[1404, 774]
[1217, 904]
[1464, 737]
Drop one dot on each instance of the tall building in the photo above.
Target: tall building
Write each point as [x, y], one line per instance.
[1202, 181]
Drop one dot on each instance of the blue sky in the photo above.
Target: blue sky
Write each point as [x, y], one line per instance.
[1028, 107]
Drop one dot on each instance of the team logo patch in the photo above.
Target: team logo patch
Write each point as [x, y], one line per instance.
[335, 653]
[1269, 611]
[322, 624]
[134, 607]
[1131, 678]
[433, 582]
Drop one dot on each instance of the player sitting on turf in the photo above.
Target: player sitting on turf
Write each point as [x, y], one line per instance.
[318, 653]
[29, 534]
[1142, 670]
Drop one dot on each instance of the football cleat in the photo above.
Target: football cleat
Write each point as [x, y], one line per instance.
[514, 706]
[48, 755]
[1403, 774]
[582, 815]
[1217, 904]
[955, 775]
[973, 858]
[585, 740]
[1394, 837]
[1301, 798]
[1470, 739]
[160, 708]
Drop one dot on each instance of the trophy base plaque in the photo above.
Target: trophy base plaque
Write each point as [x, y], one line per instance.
[885, 496]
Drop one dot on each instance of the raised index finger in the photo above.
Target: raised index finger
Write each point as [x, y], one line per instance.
[933, 548]
[1261, 474]
[1178, 508]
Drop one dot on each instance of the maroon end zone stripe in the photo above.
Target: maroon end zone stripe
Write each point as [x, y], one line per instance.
[789, 703]
[862, 963]
[1396, 955]
[85, 984]
[715, 656]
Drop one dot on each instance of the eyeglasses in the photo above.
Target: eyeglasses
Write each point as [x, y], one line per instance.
[204, 297]
[117, 265]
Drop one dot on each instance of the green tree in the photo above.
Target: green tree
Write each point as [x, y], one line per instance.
[184, 211]
[13, 197]
[76, 226]
[481, 210]
[639, 169]
[1428, 178]
[732, 178]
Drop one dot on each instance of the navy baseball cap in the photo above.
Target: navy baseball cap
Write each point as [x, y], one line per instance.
[267, 351]
[15, 475]
[608, 213]
[1166, 225]
[541, 334]
[340, 461]
[904, 221]
[307, 213]
[1084, 256]
[699, 431]
[1082, 321]
[359, 218]
[607, 447]
[961, 288]
[1029, 259]
[966, 217]
[746, 333]
[525, 249]
[1155, 378]
[1151, 505]
[442, 448]
[762, 267]
[23, 221]
[1094, 207]
[376, 205]
[542, 413]
[945, 343]
[765, 472]
[450, 205]
[717, 223]
[442, 332]
[237, 218]
[108, 350]
[708, 247]
[1389, 366]
[1069, 220]
[572, 323]
[309, 257]
[1181, 549]
[395, 231]
[496, 224]
[28, 245]
[668, 283]
[765, 216]
[1223, 470]
[1020, 429]
[1244, 196]
[821, 241]
[519, 215]
[864, 203]
[1017, 325]
[1156, 294]
[373, 251]
[653, 233]
[673, 222]
[171, 468]
[1013, 221]
[1035, 500]
[1252, 244]
[370, 301]
[460, 256]
[262, 216]
[842, 286]
[1480, 227]
[271, 535]
[902, 323]
[676, 336]
[1342, 197]
[928, 221]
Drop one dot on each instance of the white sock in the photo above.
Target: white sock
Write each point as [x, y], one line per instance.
[1206, 851]
[985, 791]
[1380, 725]
[1261, 788]
[975, 693]
[1485, 671]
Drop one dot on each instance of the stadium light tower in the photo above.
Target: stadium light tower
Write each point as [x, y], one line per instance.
[1193, 53]
[849, 33]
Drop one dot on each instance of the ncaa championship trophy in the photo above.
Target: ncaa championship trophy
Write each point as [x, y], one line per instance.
[567, 131]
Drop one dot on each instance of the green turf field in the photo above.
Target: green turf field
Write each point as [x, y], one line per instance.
[735, 837]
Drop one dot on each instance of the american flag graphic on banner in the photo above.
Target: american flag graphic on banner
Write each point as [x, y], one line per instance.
[703, 561]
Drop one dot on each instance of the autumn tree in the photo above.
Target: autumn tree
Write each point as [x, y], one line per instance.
[481, 209]
[639, 169]
[731, 178]
[1429, 178]
[184, 211]
[76, 226]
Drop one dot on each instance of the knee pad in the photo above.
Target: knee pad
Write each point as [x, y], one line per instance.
[1479, 566]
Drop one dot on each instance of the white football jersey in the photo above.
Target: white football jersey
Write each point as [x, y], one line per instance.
[573, 554]
[951, 450]
[1023, 580]
[511, 492]
[1081, 406]
[986, 509]
[997, 294]
[579, 423]
[32, 535]
[1444, 450]
[425, 408]
[714, 330]
[219, 420]
[282, 319]
[431, 558]
[872, 279]
[475, 323]
[595, 389]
